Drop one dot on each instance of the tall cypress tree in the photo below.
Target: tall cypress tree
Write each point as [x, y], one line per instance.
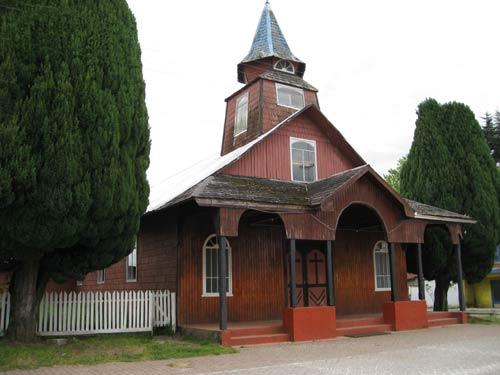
[450, 166]
[74, 143]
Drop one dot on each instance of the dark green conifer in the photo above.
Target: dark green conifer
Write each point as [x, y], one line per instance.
[450, 166]
[74, 143]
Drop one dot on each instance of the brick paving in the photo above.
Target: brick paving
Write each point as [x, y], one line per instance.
[464, 350]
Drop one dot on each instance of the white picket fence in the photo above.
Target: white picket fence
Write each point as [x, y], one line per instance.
[86, 313]
[4, 312]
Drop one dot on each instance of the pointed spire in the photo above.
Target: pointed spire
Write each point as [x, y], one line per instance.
[269, 40]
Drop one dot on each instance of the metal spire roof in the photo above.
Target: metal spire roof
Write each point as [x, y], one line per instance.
[269, 40]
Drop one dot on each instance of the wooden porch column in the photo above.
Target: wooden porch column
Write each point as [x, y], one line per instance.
[393, 269]
[421, 286]
[222, 282]
[461, 298]
[293, 276]
[329, 274]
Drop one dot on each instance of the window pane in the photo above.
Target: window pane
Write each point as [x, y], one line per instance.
[215, 286]
[297, 100]
[310, 173]
[309, 156]
[298, 172]
[297, 156]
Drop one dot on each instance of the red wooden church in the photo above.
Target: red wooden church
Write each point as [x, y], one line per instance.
[289, 234]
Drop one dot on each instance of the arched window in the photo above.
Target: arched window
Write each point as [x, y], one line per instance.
[381, 266]
[303, 160]
[285, 66]
[211, 268]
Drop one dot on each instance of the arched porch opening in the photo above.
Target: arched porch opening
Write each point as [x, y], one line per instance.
[361, 262]
[439, 263]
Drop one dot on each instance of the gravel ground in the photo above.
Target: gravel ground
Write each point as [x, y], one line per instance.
[458, 349]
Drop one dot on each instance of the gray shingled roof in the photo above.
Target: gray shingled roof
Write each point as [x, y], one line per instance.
[427, 210]
[290, 193]
[269, 40]
[262, 190]
[287, 79]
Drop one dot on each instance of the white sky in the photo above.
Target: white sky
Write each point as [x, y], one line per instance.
[372, 62]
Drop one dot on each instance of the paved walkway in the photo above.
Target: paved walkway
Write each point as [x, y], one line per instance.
[464, 350]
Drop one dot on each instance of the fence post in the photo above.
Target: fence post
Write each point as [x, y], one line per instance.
[151, 310]
[173, 312]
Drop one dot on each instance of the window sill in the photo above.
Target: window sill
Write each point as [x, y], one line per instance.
[240, 133]
[215, 295]
[382, 289]
[288, 106]
[131, 281]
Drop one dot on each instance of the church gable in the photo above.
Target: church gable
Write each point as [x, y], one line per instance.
[271, 158]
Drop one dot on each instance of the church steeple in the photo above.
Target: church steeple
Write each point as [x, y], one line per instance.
[269, 43]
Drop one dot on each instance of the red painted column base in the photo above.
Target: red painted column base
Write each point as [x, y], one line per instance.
[310, 323]
[406, 315]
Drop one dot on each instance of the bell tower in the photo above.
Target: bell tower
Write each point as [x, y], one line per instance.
[269, 49]
[273, 86]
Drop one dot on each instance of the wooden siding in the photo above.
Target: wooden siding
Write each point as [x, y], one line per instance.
[354, 274]
[257, 269]
[156, 260]
[263, 113]
[271, 157]
[229, 142]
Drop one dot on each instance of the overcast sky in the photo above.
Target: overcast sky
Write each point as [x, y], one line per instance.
[372, 62]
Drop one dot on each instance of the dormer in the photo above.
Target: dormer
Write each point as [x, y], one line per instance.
[274, 88]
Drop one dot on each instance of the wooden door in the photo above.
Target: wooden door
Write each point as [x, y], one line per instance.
[316, 278]
[310, 271]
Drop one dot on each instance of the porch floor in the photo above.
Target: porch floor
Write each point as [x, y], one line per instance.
[214, 327]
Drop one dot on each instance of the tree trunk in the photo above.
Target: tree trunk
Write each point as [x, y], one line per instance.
[26, 296]
[441, 294]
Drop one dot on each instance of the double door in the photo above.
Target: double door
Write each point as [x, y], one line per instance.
[310, 271]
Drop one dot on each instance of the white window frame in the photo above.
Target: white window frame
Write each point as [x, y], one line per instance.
[127, 265]
[79, 283]
[103, 276]
[278, 85]
[284, 70]
[236, 112]
[377, 289]
[229, 270]
[312, 143]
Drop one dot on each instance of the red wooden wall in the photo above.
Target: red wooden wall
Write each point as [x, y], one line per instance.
[156, 260]
[257, 268]
[354, 274]
[264, 113]
[271, 157]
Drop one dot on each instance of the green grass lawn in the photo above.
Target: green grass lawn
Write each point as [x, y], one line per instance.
[101, 349]
[486, 319]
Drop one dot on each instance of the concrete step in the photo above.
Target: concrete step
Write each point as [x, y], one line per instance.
[345, 323]
[259, 339]
[364, 329]
[441, 315]
[255, 331]
[443, 322]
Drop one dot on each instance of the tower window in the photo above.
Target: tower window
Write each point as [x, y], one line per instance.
[241, 119]
[303, 156]
[291, 97]
[285, 66]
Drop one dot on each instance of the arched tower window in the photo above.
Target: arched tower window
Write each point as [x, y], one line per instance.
[381, 266]
[211, 268]
[285, 66]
